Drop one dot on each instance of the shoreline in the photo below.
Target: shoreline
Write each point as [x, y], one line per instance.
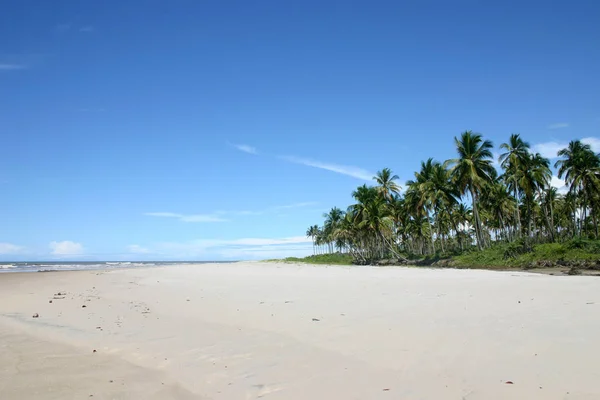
[551, 271]
[282, 331]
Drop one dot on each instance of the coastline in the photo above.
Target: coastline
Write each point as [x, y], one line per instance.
[292, 331]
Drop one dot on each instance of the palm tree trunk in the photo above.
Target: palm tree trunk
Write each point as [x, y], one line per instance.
[517, 214]
[546, 219]
[477, 221]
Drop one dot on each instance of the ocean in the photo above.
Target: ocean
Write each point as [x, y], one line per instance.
[44, 266]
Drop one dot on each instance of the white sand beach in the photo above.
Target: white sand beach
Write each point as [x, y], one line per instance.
[283, 331]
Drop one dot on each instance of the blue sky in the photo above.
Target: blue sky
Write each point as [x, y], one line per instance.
[213, 130]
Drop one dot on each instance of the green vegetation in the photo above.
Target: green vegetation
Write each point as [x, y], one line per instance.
[517, 254]
[465, 208]
[331, 259]
[575, 253]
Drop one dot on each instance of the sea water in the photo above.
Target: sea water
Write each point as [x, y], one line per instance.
[43, 266]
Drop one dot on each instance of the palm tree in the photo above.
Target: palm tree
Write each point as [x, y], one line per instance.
[581, 168]
[499, 204]
[468, 203]
[386, 185]
[513, 162]
[312, 233]
[332, 221]
[472, 171]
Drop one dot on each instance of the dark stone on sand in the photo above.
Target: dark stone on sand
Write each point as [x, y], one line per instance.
[36, 315]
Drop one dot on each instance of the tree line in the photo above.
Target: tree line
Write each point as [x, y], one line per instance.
[462, 203]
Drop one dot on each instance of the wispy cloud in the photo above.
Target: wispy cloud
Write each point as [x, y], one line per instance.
[549, 149]
[20, 61]
[12, 67]
[87, 29]
[245, 248]
[66, 248]
[295, 205]
[245, 148]
[9, 248]
[354, 172]
[220, 216]
[558, 125]
[188, 217]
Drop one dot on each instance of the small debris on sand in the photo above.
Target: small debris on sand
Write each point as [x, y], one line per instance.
[50, 301]
[36, 315]
[94, 351]
[83, 306]
[509, 382]
[316, 320]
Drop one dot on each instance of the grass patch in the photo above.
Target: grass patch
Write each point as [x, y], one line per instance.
[519, 255]
[331, 259]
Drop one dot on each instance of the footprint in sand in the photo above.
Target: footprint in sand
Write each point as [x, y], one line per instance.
[260, 390]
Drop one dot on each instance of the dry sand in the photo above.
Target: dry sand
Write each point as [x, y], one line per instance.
[281, 331]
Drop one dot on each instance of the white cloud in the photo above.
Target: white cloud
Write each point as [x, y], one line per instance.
[593, 142]
[548, 149]
[87, 28]
[9, 248]
[558, 125]
[559, 184]
[188, 217]
[354, 172]
[12, 67]
[137, 249]
[66, 248]
[245, 148]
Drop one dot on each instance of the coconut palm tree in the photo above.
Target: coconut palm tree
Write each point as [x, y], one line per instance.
[581, 168]
[387, 186]
[463, 201]
[513, 161]
[312, 233]
[472, 171]
[332, 221]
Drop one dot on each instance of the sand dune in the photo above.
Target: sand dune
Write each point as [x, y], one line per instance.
[280, 331]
